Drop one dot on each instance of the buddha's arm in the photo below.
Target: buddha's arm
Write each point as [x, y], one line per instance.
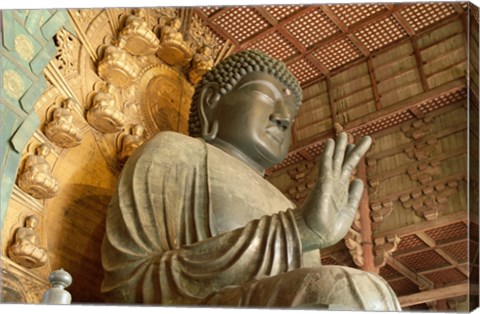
[188, 274]
[159, 247]
[264, 247]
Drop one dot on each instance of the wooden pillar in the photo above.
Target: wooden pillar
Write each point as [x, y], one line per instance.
[365, 222]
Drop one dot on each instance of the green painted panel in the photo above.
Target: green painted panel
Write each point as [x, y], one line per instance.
[25, 47]
[33, 94]
[14, 82]
[35, 20]
[43, 58]
[8, 181]
[7, 21]
[9, 122]
[21, 15]
[25, 132]
[54, 23]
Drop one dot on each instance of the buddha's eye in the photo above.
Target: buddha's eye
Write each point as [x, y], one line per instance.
[262, 94]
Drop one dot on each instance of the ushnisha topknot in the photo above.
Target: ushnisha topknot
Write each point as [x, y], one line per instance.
[230, 70]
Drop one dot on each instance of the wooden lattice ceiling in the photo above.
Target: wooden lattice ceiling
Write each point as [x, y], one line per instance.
[341, 33]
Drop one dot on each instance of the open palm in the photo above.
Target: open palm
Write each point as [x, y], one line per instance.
[330, 208]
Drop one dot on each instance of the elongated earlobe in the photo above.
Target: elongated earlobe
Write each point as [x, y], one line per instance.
[209, 97]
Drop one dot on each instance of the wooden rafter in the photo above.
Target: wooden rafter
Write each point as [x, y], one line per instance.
[214, 26]
[427, 225]
[432, 243]
[340, 35]
[279, 26]
[373, 79]
[435, 294]
[410, 102]
[421, 281]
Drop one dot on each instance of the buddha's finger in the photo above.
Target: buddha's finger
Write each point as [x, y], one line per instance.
[339, 154]
[355, 192]
[354, 157]
[326, 161]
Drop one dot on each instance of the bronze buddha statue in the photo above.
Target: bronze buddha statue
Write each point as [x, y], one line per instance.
[193, 221]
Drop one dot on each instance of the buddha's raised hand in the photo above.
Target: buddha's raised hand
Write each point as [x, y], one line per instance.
[329, 210]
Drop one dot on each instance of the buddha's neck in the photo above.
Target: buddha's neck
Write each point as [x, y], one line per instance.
[235, 152]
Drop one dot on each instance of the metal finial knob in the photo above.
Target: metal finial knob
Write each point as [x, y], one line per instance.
[59, 279]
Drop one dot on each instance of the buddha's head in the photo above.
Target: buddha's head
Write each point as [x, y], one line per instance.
[247, 103]
[31, 222]
[43, 150]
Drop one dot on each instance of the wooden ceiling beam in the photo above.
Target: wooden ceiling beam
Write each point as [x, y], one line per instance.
[266, 15]
[440, 244]
[371, 19]
[373, 80]
[435, 294]
[415, 101]
[218, 13]
[404, 168]
[410, 102]
[459, 176]
[335, 19]
[458, 7]
[277, 26]
[421, 281]
[441, 221]
[318, 65]
[331, 101]
[305, 154]
[401, 148]
[418, 58]
[360, 46]
[403, 23]
[433, 244]
[440, 268]
[212, 25]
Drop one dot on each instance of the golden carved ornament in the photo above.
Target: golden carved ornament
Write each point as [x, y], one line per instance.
[136, 38]
[202, 62]
[173, 49]
[130, 142]
[104, 115]
[62, 130]
[26, 250]
[118, 67]
[66, 45]
[36, 178]
[13, 84]
[24, 47]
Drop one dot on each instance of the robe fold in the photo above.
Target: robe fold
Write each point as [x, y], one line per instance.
[189, 223]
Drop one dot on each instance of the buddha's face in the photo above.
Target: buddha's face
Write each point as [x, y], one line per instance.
[256, 118]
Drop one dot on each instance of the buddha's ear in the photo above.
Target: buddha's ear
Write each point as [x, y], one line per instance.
[209, 98]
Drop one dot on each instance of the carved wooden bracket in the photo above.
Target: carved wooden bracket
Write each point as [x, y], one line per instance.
[423, 141]
[300, 172]
[430, 201]
[353, 241]
[383, 248]
[380, 210]
[424, 172]
[302, 183]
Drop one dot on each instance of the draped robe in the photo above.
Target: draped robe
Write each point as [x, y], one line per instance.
[190, 224]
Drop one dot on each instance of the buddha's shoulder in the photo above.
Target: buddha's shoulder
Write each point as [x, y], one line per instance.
[169, 143]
